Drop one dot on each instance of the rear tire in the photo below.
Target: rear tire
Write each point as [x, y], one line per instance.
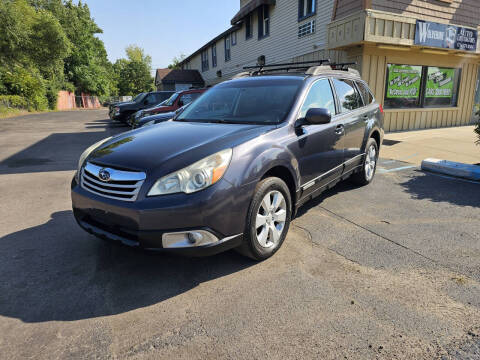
[367, 172]
[268, 219]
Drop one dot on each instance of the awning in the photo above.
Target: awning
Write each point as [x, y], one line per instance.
[249, 7]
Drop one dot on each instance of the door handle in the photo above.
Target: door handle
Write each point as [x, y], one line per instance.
[340, 129]
[366, 117]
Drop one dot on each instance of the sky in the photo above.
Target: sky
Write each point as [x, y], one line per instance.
[163, 28]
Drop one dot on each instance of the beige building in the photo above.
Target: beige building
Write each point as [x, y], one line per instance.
[420, 57]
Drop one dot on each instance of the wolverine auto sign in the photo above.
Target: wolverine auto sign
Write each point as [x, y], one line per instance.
[445, 36]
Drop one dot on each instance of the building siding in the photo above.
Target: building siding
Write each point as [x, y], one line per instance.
[374, 72]
[461, 12]
[344, 8]
[281, 45]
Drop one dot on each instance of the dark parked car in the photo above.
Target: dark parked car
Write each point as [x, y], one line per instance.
[136, 116]
[232, 169]
[122, 111]
[156, 119]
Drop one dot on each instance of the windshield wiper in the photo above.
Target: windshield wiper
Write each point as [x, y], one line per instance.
[219, 121]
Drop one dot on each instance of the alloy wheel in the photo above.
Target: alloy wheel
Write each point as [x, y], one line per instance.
[271, 218]
[370, 162]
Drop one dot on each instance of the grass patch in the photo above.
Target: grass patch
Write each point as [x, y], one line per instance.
[12, 112]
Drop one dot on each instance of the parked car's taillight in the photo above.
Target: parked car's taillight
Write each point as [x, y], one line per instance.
[381, 108]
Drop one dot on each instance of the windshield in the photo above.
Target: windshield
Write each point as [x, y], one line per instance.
[254, 102]
[139, 97]
[171, 100]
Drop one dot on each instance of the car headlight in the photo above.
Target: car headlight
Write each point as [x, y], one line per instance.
[195, 177]
[85, 154]
[149, 123]
[116, 110]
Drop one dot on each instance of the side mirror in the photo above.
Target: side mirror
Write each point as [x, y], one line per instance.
[316, 116]
[180, 103]
[145, 102]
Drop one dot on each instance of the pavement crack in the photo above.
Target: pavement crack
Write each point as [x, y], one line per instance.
[379, 235]
[314, 244]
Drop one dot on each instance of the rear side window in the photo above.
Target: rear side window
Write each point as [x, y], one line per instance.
[319, 96]
[365, 92]
[348, 96]
[188, 98]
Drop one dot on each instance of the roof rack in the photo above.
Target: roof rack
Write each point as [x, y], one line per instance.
[322, 66]
[342, 66]
[293, 65]
[317, 70]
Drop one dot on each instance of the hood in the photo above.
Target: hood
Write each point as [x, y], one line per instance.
[172, 145]
[161, 116]
[122, 103]
[163, 109]
[158, 118]
[128, 105]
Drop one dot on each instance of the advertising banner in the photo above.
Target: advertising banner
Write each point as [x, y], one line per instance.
[404, 81]
[439, 82]
[445, 36]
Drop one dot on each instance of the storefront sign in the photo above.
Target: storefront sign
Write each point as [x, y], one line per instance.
[445, 36]
[439, 82]
[403, 81]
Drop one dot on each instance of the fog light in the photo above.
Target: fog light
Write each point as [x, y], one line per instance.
[195, 237]
[188, 239]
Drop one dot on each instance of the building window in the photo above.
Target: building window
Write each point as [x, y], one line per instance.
[306, 8]
[248, 26]
[441, 86]
[306, 29]
[263, 21]
[214, 55]
[205, 60]
[416, 86]
[227, 48]
[234, 38]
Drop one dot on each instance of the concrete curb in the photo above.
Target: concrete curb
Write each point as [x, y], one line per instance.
[465, 171]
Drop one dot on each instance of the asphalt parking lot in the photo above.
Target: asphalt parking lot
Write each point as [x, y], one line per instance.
[388, 271]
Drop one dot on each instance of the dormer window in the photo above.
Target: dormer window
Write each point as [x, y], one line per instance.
[263, 21]
[306, 8]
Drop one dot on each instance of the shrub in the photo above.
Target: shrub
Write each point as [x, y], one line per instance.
[13, 101]
[28, 84]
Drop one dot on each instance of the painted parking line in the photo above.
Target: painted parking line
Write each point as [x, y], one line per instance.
[385, 171]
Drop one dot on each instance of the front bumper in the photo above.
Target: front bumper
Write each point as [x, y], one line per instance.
[144, 223]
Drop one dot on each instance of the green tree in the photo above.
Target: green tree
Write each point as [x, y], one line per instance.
[133, 74]
[31, 53]
[176, 61]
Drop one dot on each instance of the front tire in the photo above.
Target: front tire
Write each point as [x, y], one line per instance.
[367, 173]
[268, 219]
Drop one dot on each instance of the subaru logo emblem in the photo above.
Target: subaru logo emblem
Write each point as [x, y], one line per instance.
[104, 175]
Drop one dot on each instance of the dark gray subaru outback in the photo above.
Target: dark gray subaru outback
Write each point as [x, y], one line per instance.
[231, 170]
